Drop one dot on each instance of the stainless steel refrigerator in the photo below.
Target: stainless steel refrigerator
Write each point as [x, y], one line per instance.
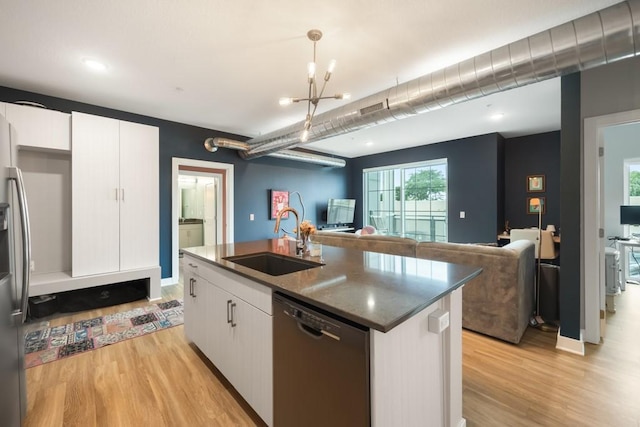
[15, 260]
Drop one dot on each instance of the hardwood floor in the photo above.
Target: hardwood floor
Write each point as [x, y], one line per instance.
[534, 384]
[156, 380]
[162, 380]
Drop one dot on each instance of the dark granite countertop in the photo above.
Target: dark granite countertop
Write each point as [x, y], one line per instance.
[376, 290]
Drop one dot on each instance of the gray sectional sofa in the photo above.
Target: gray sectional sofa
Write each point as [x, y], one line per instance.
[499, 302]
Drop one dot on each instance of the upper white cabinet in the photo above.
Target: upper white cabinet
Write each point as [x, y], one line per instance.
[40, 128]
[114, 191]
[3, 109]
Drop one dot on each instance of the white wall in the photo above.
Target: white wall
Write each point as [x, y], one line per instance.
[620, 143]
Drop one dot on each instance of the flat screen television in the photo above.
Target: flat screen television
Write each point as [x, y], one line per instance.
[341, 211]
[630, 215]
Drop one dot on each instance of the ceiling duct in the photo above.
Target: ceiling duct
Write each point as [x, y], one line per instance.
[596, 39]
[212, 145]
[317, 159]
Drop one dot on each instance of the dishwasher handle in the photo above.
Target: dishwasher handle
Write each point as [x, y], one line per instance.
[314, 332]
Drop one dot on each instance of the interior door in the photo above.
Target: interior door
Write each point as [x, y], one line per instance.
[210, 209]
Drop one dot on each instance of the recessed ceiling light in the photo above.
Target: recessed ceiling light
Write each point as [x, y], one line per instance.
[94, 64]
[368, 143]
[497, 116]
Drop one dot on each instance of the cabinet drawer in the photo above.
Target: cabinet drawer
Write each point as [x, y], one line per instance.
[253, 293]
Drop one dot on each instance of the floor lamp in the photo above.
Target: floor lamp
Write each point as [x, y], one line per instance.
[537, 204]
[537, 320]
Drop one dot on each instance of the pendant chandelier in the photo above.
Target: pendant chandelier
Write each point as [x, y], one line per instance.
[313, 97]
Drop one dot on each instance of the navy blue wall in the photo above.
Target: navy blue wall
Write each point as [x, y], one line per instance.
[476, 182]
[253, 178]
[532, 155]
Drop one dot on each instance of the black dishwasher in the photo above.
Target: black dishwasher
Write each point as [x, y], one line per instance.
[320, 367]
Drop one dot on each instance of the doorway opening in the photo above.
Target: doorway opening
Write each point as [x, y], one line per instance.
[597, 194]
[202, 204]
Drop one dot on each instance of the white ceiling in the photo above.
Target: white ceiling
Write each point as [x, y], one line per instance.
[223, 64]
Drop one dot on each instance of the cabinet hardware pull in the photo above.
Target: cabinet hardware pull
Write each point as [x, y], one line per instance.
[194, 288]
[116, 194]
[122, 189]
[233, 321]
[191, 287]
[229, 311]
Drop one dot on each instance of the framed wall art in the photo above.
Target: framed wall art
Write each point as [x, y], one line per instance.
[535, 183]
[279, 200]
[534, 208]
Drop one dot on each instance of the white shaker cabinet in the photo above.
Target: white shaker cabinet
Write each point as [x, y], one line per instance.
[114, 195]
[197, 307]
[236, 331]
[39, 128]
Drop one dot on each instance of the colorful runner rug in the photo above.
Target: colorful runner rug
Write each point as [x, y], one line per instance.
[52, 343]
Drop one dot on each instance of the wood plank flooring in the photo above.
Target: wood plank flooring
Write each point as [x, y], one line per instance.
[161, 379]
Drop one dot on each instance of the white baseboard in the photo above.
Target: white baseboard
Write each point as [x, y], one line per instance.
[168, 281]
[570, 345]
[462, 423]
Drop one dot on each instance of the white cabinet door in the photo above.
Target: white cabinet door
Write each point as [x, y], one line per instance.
[220, 333]
[191, 311]
[253, 356]
[3, 109]
[39, 127]
[139, 199]
[95, 194]
[197, 302]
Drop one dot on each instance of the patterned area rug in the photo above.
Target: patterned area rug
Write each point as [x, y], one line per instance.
[48, 344]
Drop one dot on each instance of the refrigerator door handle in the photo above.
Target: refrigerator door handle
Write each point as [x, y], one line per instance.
[16, 175]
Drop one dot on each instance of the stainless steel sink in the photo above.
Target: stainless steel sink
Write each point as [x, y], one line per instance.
[273, 264]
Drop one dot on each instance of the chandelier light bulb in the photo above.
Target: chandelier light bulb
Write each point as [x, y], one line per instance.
[286, 101]
[311, 69]
[332, 66]
[305, 135]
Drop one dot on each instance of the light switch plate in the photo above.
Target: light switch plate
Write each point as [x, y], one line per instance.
[462, 214]
[251, 217]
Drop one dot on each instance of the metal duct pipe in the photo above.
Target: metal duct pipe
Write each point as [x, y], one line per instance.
[212, 144]
[309, 158]
[596, 39]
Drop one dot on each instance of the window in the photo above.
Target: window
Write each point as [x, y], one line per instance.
[408, 200]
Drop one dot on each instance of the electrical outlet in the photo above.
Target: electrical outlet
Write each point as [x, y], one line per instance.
[462, 214]
[438, 321]
[251, 217]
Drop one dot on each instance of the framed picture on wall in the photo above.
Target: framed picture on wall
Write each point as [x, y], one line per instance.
[535, 208]
[535, 183]
[279, 200]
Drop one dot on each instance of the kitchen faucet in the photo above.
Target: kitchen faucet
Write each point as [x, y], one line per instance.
[299, 246]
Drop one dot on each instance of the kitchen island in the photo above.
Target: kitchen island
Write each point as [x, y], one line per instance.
[415, 364]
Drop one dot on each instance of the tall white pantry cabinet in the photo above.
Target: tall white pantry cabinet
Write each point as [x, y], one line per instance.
[115, 195]
[82, 233]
